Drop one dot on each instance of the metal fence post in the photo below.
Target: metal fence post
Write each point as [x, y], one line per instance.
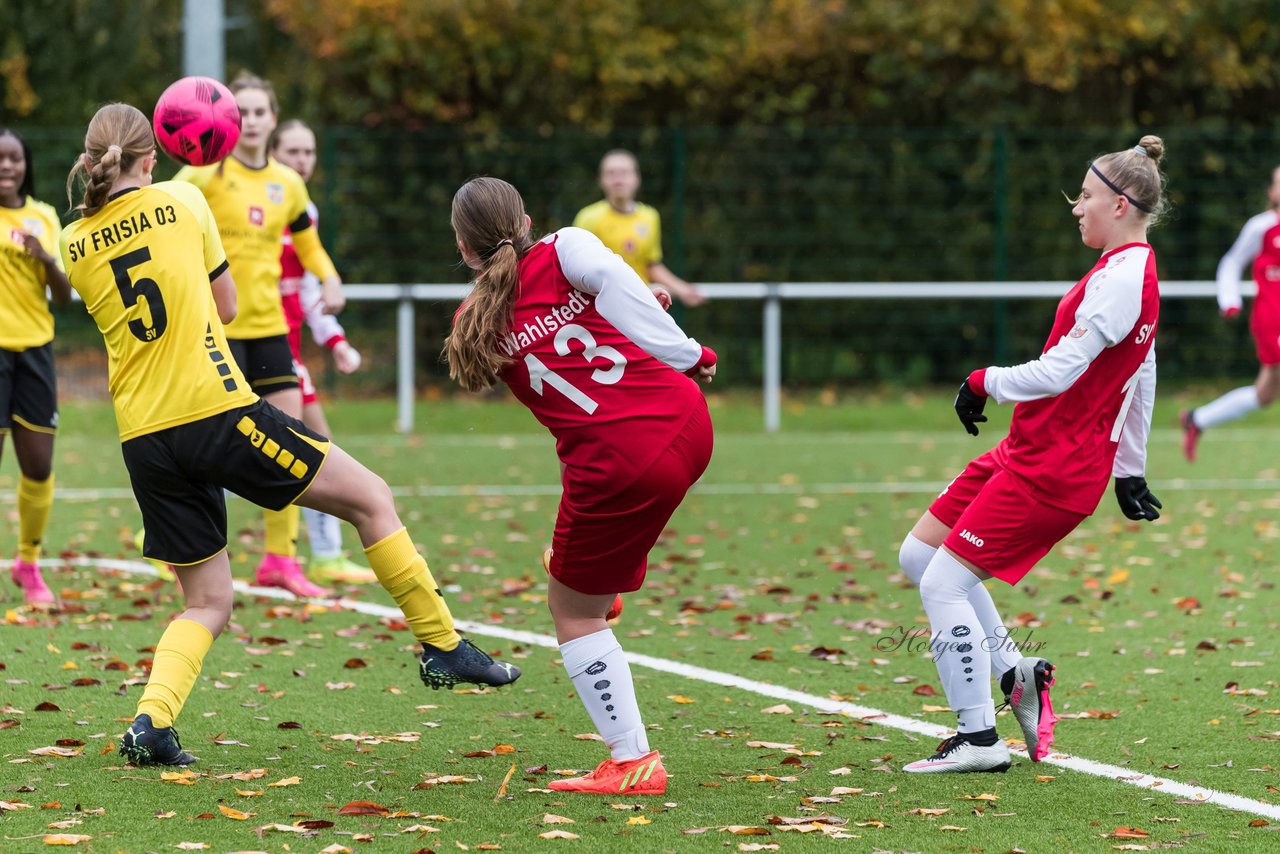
[1000, 153]
[404, 360]
[772, 358]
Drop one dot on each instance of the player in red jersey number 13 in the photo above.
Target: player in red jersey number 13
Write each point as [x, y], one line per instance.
[1083, 414]
[578, 338]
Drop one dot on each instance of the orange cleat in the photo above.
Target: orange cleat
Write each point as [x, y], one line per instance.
[643, 776]
[615, 610]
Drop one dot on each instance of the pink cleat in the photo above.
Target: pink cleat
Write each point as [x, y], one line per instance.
[1190, 434]
[27, 576]
[280, 571]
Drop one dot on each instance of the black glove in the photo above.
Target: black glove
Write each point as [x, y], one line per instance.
[969, 405]
[1136, 501]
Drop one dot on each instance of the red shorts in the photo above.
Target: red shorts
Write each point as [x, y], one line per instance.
[304, 382]
[996, 524]
[1265, 326]
[603, 547]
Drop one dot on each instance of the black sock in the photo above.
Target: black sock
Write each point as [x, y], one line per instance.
[982, 738]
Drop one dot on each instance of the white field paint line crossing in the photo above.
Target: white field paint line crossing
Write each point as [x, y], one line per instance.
[1200, 794]
[516, 490]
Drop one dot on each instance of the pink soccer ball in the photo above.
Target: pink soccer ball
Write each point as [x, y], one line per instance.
[197, 121]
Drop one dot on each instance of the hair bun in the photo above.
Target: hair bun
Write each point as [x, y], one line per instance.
[1153, 146]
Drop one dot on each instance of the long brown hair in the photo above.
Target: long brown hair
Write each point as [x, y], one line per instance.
[488, 218]
[118, 136]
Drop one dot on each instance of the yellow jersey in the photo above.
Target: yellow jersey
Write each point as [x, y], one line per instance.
[636, 236]
[253, 207]
[25, 320]
[143, 265]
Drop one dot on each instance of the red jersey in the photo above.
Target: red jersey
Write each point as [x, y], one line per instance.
[1256, 248]
[1064, 446]
[299, 290]
[597, 362]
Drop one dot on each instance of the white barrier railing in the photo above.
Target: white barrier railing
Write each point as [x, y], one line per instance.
[771, 294]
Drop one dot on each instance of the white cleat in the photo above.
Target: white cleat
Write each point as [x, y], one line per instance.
[957, 755]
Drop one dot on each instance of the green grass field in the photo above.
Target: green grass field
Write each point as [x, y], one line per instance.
[781, 568]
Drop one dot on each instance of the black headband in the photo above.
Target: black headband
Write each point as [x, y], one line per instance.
[1137, 204]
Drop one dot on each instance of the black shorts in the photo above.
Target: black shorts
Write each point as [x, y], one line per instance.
[267, 363]
[178, 476]
[28, 389]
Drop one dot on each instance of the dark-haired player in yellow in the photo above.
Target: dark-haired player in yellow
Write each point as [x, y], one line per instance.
[150, 266]
[28, 387]
[254, 199]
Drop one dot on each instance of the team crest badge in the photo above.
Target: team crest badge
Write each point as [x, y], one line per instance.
[33, 226]
[257, 216]
[275, 194]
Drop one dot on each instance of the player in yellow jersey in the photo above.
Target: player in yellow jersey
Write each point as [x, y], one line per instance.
[28, 391]
[254, 199]
[148, 262]
[630, 228]
[294, 145]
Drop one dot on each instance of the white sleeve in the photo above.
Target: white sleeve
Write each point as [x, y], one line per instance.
[623, 299]
[1111, 305]
[1131, 454]
[1232, 267]
[324, 327]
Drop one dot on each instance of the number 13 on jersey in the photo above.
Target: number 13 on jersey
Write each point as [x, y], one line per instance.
[540, 376]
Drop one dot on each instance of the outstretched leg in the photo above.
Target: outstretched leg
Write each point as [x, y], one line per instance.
[346, 489]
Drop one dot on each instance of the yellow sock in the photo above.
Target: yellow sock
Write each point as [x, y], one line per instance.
[281, 528]
[35, 499]
[404, 574]
[175, 667]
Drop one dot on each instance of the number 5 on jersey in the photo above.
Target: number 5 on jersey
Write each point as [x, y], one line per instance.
[541, 376]
[144, 289]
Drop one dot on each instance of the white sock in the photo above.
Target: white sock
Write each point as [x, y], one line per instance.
[324, 532]
[914, 557]
[1230, 406]
[602, 678]
[958, 651]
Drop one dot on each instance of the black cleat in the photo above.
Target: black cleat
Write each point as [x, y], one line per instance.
[144, 744]
[464, 663]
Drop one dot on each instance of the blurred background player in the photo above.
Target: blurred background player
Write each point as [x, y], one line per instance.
[29, 271]
[581, 341]
[191, 426]
[631, 228]
[254, 199]
[1083, 415]
[1258, 245]
[294, 145]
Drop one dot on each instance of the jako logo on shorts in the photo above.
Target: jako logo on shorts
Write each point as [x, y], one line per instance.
[968, 536]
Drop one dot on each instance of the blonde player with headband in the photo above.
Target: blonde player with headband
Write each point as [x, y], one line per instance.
[1082, 417]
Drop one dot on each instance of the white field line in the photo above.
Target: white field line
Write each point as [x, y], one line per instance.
[515, 490]
[1186, 791]
[426, 441]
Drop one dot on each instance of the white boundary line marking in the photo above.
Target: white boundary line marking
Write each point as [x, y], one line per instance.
[498, 490]
[1200, 794]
